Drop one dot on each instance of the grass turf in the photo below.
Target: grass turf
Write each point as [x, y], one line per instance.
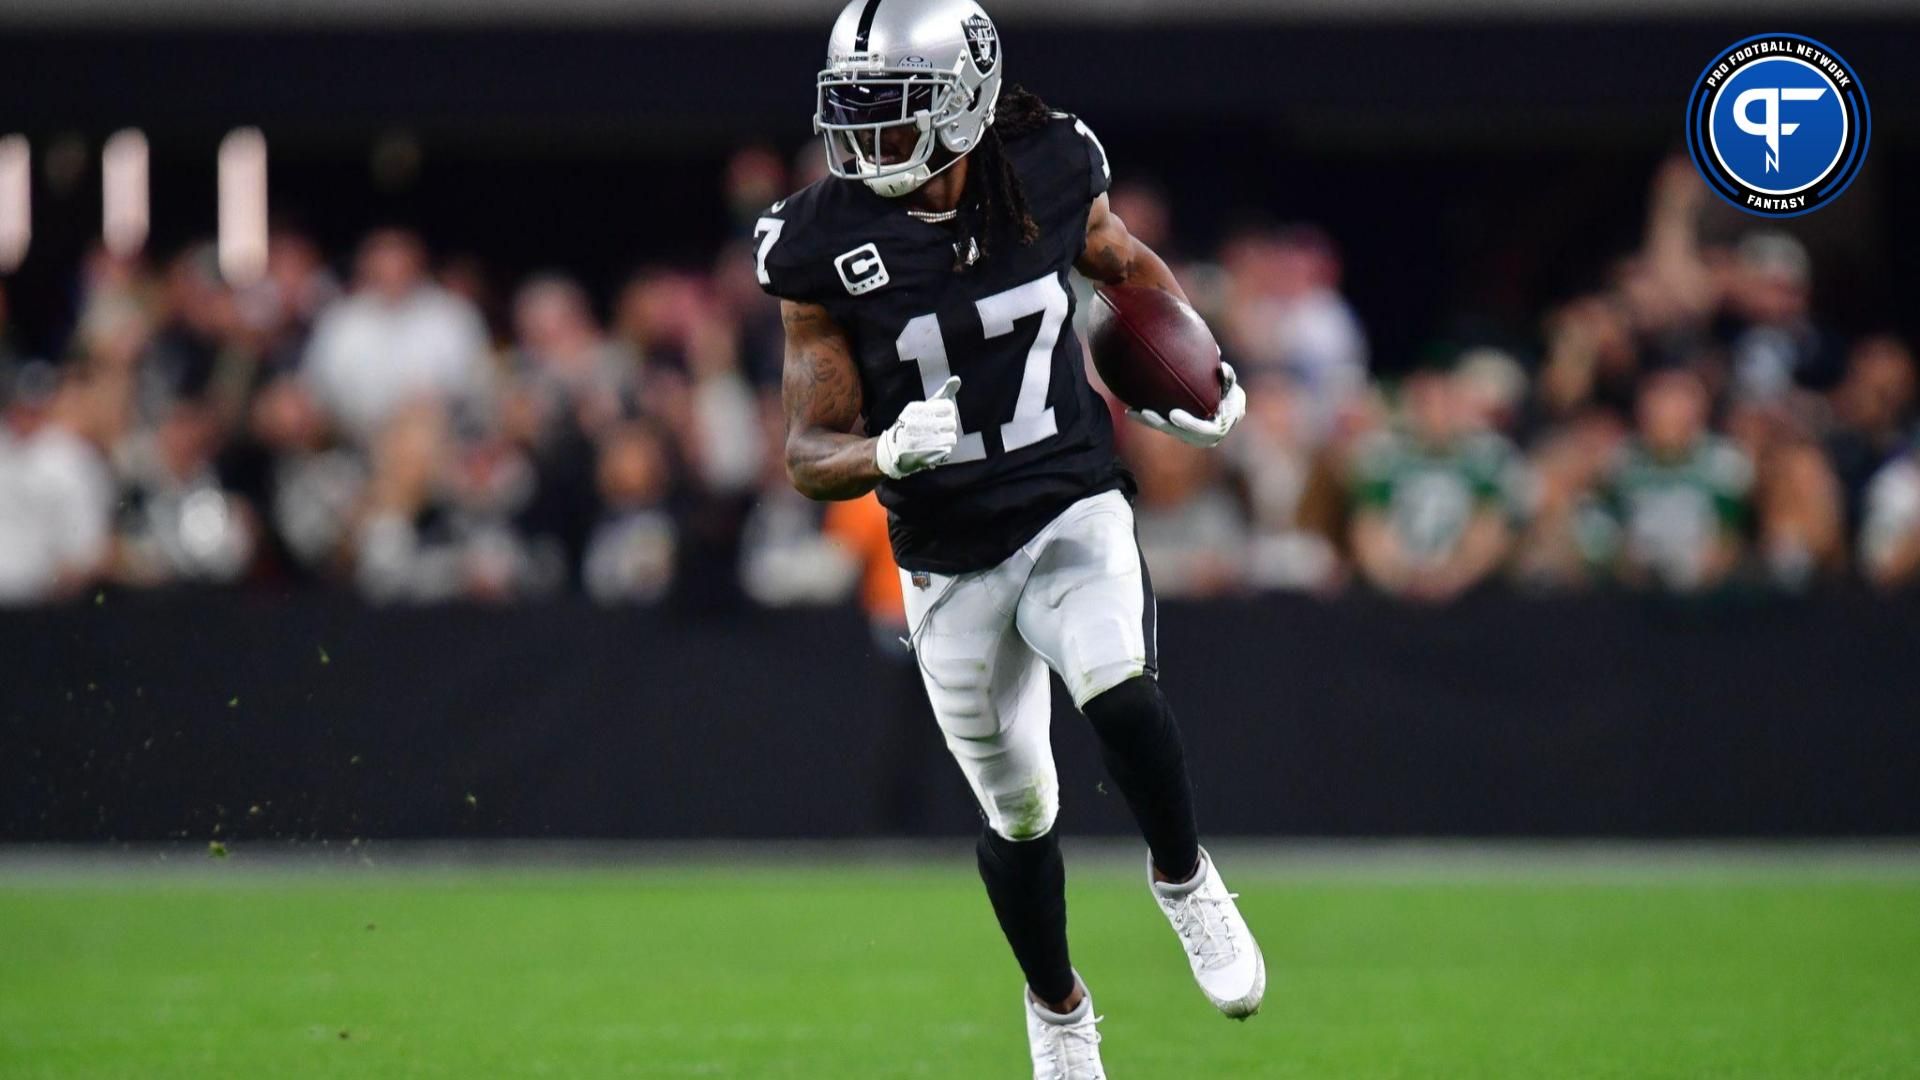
[898, 971]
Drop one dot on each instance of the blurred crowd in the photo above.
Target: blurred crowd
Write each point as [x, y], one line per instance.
[392, 422]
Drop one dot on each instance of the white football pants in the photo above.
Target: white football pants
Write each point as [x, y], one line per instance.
[1075, 599]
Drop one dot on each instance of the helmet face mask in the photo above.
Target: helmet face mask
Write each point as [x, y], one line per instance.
[857, 109]
[927, 67]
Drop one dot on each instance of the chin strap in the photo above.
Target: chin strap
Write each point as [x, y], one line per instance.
[913, 179]
[900, 183]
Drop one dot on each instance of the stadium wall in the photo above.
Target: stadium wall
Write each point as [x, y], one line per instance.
[144, 718]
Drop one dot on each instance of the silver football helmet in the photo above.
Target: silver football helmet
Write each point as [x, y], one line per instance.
[931, 66]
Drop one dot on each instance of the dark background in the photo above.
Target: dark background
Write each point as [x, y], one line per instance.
[148, 718]
[1474, 170]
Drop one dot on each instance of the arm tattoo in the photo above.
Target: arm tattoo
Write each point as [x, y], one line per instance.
[1109, 261]
[1112, 256]
[818, 383]
[821, 390]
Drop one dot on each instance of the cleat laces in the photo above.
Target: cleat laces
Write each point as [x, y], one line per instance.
[1201, 922]
[1074, 1049]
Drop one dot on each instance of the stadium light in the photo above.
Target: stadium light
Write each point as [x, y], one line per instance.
[243, 206]
[124, 193]
[16, 201]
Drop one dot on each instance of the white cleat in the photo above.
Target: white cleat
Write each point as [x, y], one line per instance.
[1064, 1046]
[1225, 959]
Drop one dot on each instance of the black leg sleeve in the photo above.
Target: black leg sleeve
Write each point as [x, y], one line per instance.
[1027, 882]
[1140, 742]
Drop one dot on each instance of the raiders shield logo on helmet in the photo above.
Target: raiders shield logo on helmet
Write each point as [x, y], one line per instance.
[984, 42]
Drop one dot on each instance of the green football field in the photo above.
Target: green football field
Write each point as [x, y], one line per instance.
[895, 969]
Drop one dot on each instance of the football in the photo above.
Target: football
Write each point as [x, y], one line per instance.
[1154, 351]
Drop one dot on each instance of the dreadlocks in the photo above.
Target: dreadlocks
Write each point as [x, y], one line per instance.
[998, 205]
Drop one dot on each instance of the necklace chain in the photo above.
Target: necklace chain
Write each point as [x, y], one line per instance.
[929, 215]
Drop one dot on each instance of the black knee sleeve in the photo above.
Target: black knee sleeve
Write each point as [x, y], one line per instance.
[1141, 745]
[1027, 882]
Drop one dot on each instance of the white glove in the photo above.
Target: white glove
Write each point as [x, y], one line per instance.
[1194, 431]
[922, 436]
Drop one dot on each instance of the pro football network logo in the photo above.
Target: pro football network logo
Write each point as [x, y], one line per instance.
[1778, 125]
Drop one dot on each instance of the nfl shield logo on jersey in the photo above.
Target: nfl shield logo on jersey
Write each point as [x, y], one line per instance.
[861, 270]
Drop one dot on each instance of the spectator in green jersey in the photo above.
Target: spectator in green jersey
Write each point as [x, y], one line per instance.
[1431, 508]
[1673, 506]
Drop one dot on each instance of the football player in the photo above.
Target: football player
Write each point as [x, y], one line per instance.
[930, 354]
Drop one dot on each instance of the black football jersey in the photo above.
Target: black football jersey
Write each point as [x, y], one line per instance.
[1035, 435]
